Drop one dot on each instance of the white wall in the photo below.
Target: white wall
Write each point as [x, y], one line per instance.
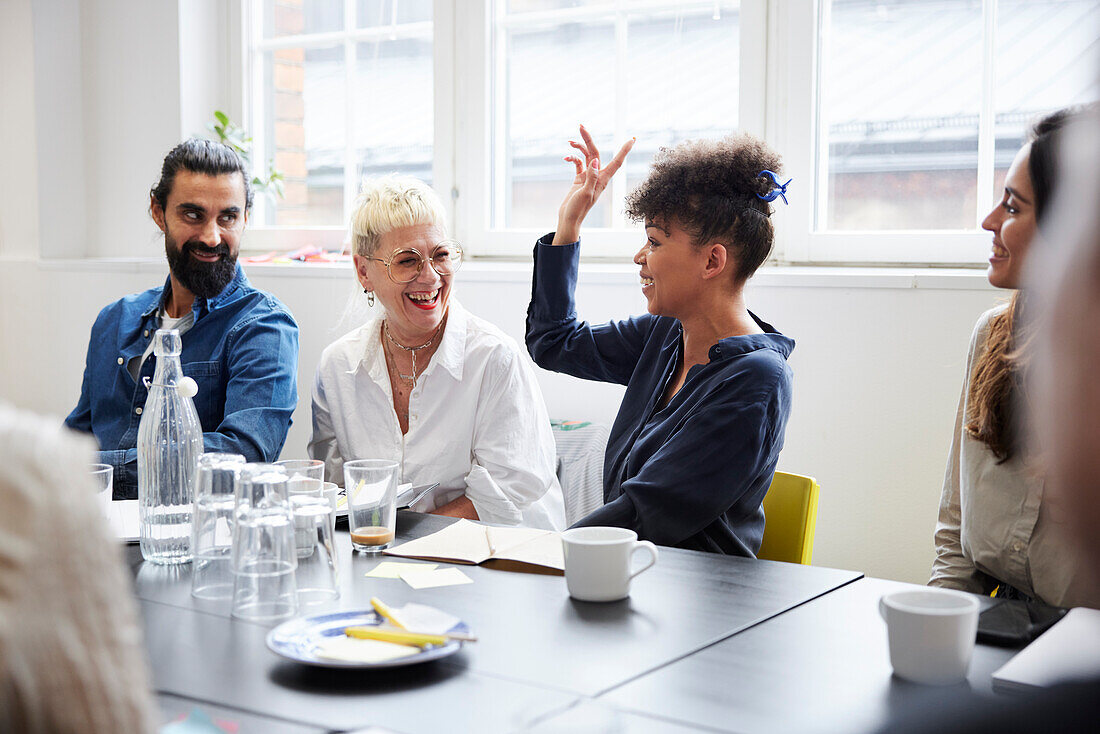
[131, 116]
[72, 81]
[19, 171]
[878, 368]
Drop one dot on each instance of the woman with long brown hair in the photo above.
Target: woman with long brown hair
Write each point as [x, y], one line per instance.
[996, 528]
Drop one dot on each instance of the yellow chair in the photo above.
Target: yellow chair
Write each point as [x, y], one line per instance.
[790, 516]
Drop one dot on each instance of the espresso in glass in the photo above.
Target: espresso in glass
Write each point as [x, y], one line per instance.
[372, 503]
[372, 535]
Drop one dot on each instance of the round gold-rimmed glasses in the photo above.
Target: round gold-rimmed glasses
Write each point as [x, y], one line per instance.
[405, 265]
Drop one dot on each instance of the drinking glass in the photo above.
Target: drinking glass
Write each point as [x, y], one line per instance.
[316, 576]
[372, 503]
[264, 557]
[331, 492]
[303, 472]
[103, 477]
[212, 525]
[305, 480]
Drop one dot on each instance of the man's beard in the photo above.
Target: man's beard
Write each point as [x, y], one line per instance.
[205, 280]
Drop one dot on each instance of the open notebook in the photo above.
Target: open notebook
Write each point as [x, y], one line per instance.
[510, 549]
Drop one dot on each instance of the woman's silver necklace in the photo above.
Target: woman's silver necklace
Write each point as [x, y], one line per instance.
[411, 379]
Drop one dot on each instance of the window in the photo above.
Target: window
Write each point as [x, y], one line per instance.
[341, 89]
[921, 107]
[896, 118]
[661, 72]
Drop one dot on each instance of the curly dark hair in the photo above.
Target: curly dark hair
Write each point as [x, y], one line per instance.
[709, 188]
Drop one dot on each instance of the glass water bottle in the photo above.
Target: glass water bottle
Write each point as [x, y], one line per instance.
[169, 446]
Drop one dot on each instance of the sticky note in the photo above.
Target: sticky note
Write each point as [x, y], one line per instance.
[394, 569]
[430, 579]
[427, 619]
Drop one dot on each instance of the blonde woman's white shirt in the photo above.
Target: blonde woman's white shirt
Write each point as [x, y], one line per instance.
[477, 421]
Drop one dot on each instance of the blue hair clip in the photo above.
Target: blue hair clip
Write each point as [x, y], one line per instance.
[778, 190]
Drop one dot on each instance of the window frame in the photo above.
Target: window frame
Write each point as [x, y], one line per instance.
[253, 46]
[793, 117]
[473, 222]
[779, 83]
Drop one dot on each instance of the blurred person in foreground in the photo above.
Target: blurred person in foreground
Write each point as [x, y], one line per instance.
[240, 344]
[71, 659]
[997, 527]
[1064, 278]
[427, 384]
[708, 389]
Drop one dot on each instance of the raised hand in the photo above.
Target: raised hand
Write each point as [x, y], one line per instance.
[588, 184]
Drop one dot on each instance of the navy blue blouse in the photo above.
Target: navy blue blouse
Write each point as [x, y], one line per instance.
[694, 473]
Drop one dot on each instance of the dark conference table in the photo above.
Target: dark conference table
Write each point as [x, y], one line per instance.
[705, 642]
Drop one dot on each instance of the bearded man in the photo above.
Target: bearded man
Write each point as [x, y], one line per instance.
[240, 344]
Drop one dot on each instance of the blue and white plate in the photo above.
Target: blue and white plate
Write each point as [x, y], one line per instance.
[298, 640]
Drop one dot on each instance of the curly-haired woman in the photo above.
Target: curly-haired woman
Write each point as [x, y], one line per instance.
[708, 389]
[997, 527]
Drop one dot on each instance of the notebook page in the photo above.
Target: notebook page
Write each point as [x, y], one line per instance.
[460, 542]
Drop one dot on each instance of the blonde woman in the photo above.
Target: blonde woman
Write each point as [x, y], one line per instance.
[428, 384]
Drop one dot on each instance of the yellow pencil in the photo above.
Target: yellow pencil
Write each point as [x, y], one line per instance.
[386, 613]
[399, 637]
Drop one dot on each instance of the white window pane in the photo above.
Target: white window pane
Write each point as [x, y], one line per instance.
[1046, 59]
[529, 6]
[662, 72]
[380, 13]
[555, 75]
[296, 17]
[682, 81]
[392, 95]
[900, 99]
[304, 114]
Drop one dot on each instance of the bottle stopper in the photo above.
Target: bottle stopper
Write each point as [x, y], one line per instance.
[188, 388]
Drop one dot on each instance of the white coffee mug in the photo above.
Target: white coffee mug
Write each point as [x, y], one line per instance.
[931, 633]
[598, 561]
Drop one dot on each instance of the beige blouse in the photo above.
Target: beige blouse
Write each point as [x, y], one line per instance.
[71, 655]
[995, 523]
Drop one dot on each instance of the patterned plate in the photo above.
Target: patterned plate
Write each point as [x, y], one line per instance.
[297, 640]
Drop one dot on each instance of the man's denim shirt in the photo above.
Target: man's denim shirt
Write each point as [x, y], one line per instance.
[242, 351]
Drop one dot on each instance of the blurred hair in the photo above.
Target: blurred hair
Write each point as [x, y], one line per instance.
[710, 187]
[389, 202]
[197, 155]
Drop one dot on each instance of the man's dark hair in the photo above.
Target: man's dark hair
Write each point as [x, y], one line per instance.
[709, 188]
[200, 156]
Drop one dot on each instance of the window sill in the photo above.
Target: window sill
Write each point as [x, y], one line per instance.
[592, 273]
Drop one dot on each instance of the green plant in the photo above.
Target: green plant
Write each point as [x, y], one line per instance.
[237, 138]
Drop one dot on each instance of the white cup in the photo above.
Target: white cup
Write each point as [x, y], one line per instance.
[931, 634]
[598, 561]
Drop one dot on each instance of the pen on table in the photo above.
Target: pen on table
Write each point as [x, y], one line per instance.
[405, 637]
